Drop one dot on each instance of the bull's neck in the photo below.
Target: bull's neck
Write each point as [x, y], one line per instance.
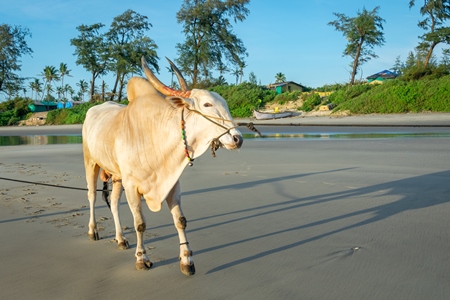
[154, 129]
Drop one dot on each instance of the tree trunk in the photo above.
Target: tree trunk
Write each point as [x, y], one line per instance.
[194, 75]
[433, 44]
[103, 90]
[121, 84]
[113, 92]
[196, 62]
[356, 63]
[429, 54]
[92, 87]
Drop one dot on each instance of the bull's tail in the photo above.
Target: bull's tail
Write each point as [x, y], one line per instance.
[105, 176]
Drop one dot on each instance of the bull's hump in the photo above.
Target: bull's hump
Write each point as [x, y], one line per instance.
[139, 87]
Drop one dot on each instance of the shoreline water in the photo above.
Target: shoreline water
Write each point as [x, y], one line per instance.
[410, 119]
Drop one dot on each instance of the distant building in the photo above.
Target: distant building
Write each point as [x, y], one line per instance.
[381, 76]
[288, 86]
[40, 106]
[68, 104]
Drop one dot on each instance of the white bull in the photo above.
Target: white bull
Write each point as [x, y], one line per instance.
[145, 146]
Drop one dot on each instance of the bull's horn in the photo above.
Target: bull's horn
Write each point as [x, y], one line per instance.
[181, 80]
[159, 86]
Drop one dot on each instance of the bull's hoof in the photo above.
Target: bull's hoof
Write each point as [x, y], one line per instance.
[123, 245]
[187, 270]
[143, 265]
[93, 236]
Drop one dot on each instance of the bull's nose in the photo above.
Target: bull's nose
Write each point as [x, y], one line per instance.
[238, 140]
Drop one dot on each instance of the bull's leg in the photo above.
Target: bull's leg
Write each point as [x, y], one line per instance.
[92, 170]
[174, 202]
[134, 201]
[115, 203]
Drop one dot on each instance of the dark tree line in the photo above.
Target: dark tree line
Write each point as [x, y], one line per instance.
[117, 50]
[13, 46]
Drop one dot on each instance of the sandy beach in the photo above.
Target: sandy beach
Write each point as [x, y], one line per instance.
[278, 219]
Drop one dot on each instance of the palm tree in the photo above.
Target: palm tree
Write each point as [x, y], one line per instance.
[60, 92]
[63, 71]
[221, 81]
[50, 74]
[49, 90]
[236, 73]
[69, 90]
[83, 85]
[242, 65]
[32, 89]
[280, 77]
[35, 86]
[222, 69]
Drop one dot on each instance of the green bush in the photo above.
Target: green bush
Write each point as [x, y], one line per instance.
[286, 97]
[344, 93]
[243, 99]
[311, 101]
[74, 115]
[419, 72]
[13, 111]
[398, 96]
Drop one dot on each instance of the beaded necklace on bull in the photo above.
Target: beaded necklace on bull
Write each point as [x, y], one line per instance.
[183, 136]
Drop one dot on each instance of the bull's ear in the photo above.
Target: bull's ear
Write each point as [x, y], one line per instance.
[179, 102]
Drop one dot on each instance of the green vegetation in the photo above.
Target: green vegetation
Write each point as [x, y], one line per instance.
[311, 101]
[12, 111]
[286, 97]
[13, 46]
[65, 116]
[244, 98]
[395, 96]
[345, 93]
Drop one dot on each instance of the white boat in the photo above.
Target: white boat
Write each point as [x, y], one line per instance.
[269, 115]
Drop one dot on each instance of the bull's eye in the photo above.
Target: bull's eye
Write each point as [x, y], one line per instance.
[207, 104]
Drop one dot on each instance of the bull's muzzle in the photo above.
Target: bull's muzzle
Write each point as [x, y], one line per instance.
[238, 140]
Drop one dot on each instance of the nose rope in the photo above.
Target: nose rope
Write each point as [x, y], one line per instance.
[215, 144]
[210, 118]
[249, 125]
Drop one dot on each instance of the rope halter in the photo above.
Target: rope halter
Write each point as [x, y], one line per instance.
[215, 143]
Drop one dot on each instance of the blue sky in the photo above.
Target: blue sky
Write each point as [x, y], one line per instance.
[288, 36]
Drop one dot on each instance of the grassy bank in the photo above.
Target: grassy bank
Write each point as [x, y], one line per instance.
[395, 96]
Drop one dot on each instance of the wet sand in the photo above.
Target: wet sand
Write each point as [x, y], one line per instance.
[279, 219]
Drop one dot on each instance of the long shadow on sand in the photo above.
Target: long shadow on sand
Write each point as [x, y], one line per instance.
[415, 193]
